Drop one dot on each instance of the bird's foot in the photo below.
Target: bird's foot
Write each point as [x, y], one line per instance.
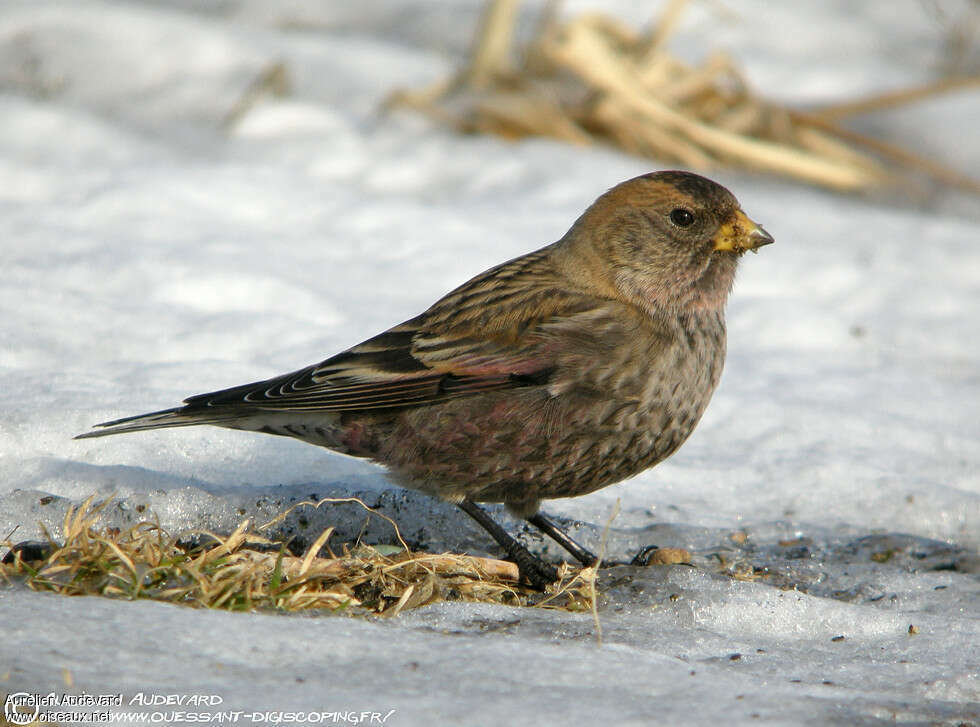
[533, 571]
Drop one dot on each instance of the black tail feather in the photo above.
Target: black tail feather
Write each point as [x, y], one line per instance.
[182, 416]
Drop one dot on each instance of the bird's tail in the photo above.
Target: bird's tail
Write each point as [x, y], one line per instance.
[181, 416]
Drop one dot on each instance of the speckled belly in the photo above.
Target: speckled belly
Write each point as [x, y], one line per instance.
[527, 446]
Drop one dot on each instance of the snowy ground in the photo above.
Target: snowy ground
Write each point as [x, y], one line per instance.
[150, 251]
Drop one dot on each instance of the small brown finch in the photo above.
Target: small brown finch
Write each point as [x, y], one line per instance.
[552, 375]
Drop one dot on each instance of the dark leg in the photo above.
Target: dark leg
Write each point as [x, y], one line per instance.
[533, 570]
[546, 526]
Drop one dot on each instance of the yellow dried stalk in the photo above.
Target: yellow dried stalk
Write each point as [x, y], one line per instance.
[491, 55]
[593, 79]
[901, 97]
[595, 60]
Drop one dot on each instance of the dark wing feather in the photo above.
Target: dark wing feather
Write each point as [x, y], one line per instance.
[483, 336]
[325, 387]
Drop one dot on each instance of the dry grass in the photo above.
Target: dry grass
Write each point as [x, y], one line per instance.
[245, 572]
[592, 79]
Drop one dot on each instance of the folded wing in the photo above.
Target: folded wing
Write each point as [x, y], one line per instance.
[488, 335]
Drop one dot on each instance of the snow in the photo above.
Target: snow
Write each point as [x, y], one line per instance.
[152, 251]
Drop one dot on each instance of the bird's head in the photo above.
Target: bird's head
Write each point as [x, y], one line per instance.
[669, 241]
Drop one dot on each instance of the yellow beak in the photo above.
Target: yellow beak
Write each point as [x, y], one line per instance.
[740, 234]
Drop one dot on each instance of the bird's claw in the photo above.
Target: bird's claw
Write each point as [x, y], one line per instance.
[536, 573]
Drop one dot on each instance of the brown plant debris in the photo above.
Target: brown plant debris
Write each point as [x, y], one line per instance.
[669, 556]
[592, 79]
[245, 572]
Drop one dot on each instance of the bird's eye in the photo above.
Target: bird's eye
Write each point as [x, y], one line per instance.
[682, 217]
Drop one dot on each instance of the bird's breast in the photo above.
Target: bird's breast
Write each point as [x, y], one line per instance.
[597, 421]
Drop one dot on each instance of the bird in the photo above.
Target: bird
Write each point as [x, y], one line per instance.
[552, 375]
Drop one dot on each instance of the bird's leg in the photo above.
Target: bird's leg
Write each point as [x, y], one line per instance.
[534, 571]
[546, 526]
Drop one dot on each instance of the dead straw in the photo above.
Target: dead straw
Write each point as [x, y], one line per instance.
[592, 79]
[244, 571]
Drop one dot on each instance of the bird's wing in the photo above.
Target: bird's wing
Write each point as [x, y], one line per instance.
[517, 325]
[383, 372]
[490, 334]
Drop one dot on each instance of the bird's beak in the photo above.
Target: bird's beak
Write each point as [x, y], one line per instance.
[740, 234]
